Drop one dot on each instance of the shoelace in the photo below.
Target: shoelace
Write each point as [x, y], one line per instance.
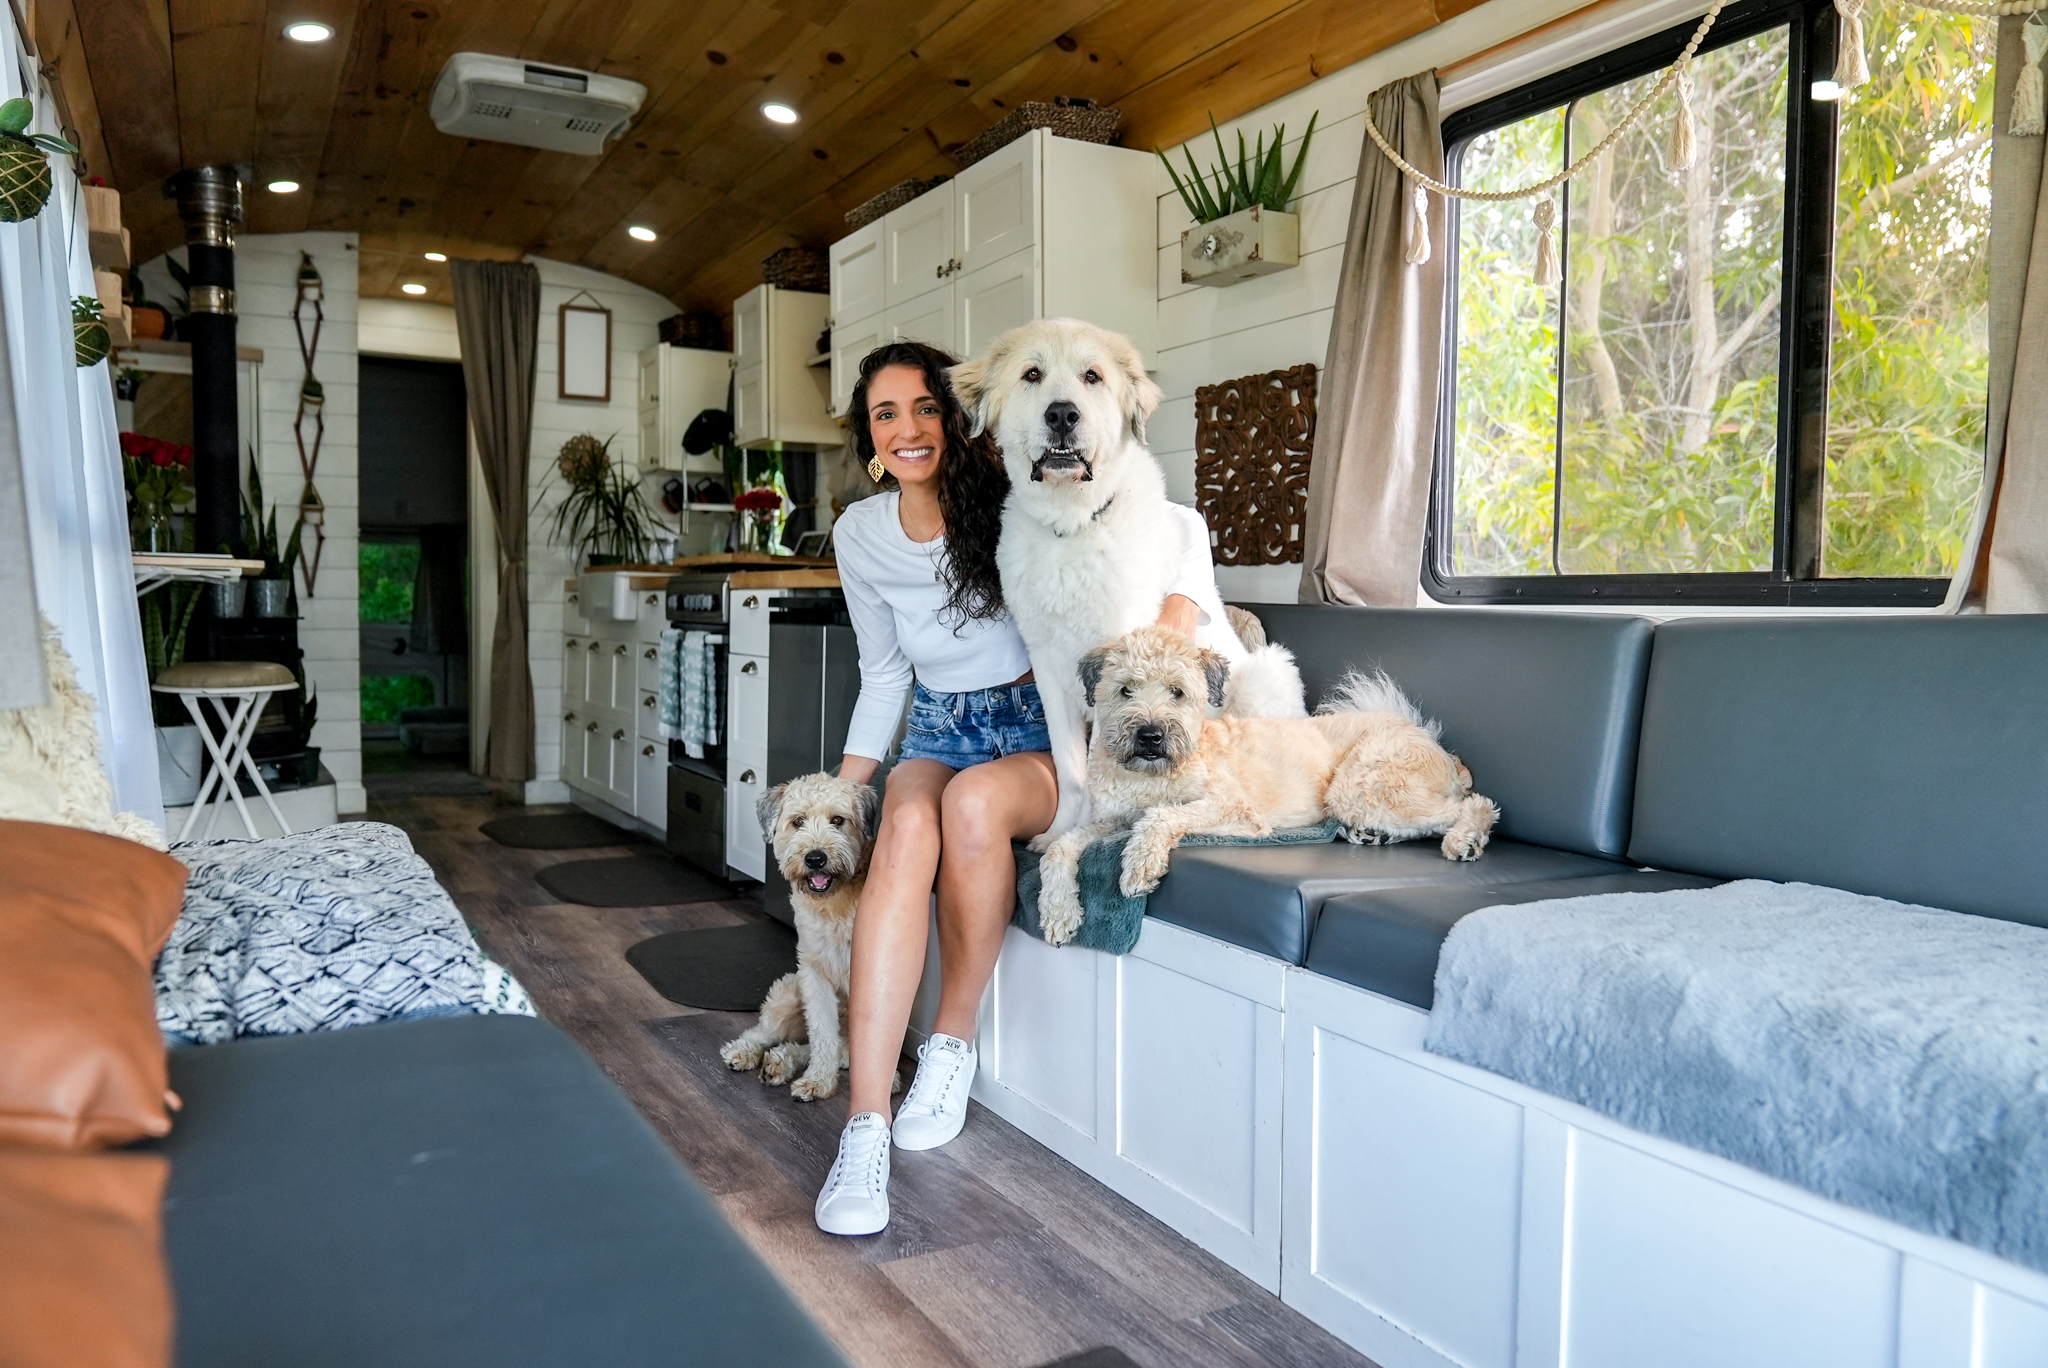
[925, 1096]
[861, 1155]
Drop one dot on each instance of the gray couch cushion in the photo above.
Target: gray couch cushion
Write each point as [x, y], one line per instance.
[1901, 757]
[1266, 898]
[1388, 940]
[1542, 706]
[463, 1191]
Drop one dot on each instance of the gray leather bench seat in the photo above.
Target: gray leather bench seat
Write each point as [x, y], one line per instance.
[1388, 940]
[454, 1192]
[1267, 898]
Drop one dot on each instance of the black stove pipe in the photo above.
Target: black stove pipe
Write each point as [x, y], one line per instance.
[210, 203]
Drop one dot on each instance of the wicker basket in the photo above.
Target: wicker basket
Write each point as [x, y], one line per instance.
[895, 197]
[798, 268]
[705, 331]
[1068, 117]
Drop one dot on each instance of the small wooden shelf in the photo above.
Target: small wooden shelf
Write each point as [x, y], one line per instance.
[821, 359]
[158, 346]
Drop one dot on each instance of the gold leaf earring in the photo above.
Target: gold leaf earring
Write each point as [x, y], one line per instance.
[875, 469]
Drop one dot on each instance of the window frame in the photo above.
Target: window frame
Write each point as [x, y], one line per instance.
[1806, 325]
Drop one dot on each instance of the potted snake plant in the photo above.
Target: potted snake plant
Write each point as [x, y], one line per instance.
[1242, 224]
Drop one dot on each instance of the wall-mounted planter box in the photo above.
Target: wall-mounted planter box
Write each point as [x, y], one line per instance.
[1250, 242]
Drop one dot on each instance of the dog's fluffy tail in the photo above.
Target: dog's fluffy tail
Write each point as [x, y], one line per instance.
[1266, 683]
[1360, 691]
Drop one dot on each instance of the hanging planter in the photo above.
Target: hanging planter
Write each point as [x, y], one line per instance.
[24, 163]
[90, 339]
[312, 395]
[1242, 227]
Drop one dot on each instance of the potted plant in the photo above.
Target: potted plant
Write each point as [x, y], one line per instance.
[90, 340]
[146, 318]
[24, 163]
[603, 516]
[1242, 227]
[271, 592]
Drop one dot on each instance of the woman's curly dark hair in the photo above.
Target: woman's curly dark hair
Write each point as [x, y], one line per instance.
[972, 481]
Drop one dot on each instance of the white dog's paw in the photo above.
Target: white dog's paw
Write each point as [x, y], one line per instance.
[1041, 843]
[1366, 836]
[1145, 861]
[815, 1087]
[740, 1055]
[895, 1082]
[784, 1062]
[1059, 910]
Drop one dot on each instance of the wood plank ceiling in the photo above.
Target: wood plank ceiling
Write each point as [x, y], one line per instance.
[884, 88]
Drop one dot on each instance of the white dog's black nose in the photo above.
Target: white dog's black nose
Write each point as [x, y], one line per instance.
[814, 859]
[1151, 739]
[1061, 418]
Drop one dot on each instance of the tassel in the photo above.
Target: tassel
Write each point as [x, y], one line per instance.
[1852, 69]
[1684, 141]
[1547, 273]
[1418, 227]
[2027, 120]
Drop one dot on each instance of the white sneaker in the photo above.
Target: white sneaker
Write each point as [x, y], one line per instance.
[855, 1198]
[935, 1108]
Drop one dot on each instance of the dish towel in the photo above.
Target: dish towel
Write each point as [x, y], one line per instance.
[688, 692]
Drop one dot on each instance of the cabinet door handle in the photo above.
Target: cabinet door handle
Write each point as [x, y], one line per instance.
[621, 651]
[751, 667]
[751, 601]
[653, 599]
[648, 654]
[647, 750]
[648, 701]
[591, 728]
[592, 646]
[746, 776]
[568, 717]
[938, 273]
[574, 643]
[618, 735]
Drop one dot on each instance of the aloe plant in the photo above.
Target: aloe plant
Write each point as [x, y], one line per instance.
[1257, 178]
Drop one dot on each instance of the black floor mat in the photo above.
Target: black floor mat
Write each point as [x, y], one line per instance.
[629, 881]
[724, 969]
[1106, 1357]
[556, 831]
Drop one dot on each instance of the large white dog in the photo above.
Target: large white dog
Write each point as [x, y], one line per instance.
[1091, 546]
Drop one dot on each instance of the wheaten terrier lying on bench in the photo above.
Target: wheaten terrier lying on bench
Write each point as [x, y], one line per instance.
[1158, 767]
[819, 828]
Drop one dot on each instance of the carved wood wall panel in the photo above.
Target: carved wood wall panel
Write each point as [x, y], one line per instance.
[1254, 438]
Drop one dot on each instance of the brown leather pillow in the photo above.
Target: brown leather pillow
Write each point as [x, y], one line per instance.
[82, 917]
[82, 1276]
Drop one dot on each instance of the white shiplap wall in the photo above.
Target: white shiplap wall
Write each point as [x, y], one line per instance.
[1208, 334]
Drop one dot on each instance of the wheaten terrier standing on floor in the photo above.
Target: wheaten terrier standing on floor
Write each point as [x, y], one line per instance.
[1160, 768]
[819, 828]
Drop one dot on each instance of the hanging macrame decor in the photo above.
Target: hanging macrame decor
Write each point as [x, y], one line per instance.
[312, 402]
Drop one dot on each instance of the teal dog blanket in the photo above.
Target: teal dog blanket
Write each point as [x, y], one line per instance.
[1112, 921]
[1894, 1058]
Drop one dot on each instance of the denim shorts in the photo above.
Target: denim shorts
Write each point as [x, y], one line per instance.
[962, 729]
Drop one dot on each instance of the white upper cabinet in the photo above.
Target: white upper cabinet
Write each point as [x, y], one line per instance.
[1044, 227]
[676, 384]
[778, 395]
[995, 203]
[750, 328]
[918, 242]
[857, 273]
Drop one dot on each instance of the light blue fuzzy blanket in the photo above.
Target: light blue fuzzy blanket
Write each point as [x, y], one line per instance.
[1891, 1057]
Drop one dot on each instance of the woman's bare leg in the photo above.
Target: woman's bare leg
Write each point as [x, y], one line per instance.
[985, 808]
[891, 928]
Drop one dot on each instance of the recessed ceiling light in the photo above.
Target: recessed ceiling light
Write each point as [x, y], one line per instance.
[1827, 90]
[308, 32]
[283, 187]
[779, 113]
[643, 233]
[437, 256]
[413, 287]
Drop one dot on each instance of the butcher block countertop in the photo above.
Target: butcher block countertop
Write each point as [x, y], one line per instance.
[749, 570]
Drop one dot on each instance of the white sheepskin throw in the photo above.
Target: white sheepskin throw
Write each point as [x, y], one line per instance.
[50, 767]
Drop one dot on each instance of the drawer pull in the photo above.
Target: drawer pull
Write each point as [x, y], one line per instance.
[751, 667]
[574, 643]
[746, 776]
[592, 647]
[653, 599]
[648, 654]
[751, 601]
[621, 651]
[572, 596]
[647, 750]
[591, 728]
[568, 717]
[648, 701]
[618, 735]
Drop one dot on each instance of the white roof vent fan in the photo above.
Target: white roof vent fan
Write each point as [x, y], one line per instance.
[503, 99]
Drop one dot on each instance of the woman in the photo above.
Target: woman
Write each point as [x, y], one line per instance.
[918, 565]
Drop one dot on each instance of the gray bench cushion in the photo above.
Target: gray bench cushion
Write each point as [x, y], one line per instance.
[1388, 940]
[1266, 898]
[1901, 757]
[1542, 706]
[464, 1191]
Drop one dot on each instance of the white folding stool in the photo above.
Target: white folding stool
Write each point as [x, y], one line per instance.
[239, 689]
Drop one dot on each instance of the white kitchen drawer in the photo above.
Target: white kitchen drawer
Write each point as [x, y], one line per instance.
[619, 746]
[746, 723]
[572, 748]
[573, 668]
[595, 774]
[650, 783]
[596, 684]
[647, 717]
[622, 693]
[573, 620]
[649, 617]
[746, 778]
[646, 666]
[747, 625]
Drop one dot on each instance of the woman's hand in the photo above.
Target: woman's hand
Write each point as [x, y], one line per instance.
[1181, 614]
[858, 769]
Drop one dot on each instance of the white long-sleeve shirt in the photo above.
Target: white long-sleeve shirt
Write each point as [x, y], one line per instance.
[896, 595]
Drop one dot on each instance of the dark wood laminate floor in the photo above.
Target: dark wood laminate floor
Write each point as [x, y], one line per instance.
[999, 1254]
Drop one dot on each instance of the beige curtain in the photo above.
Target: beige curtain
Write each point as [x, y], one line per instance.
[2004, 566]
[497, 319]
[1368, 490]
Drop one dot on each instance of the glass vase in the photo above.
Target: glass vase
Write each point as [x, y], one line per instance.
[152, 530]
